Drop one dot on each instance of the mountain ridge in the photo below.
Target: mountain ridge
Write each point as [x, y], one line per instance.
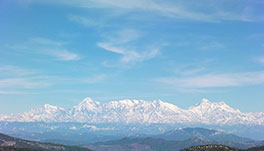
[203, 133]
[13, 143]
[217, 147]
[159, 144]
[140, 111]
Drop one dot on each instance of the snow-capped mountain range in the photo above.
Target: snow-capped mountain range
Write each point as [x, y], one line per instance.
[139, 111]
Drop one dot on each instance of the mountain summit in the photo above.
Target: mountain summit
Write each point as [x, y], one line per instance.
[140, 111]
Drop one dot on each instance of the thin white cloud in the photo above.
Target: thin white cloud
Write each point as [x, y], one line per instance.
[120, 43]
[214, 80]
[13, 92]
[108, 46]
[94, 79]
[260, 60]
[202, 42]
[61, 54]
[192, 71]
[84, 21]
[212, 46]
[18, 85]
[129, 56]
[45, 41]
[10, 70]
[13, 79]
[206, 10]
[44, 46]
[21, 83]
[135, 56]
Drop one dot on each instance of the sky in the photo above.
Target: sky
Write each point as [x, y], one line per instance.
[59, 52]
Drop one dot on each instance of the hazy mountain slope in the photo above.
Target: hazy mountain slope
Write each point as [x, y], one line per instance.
[176, 140]
[8, 141]
[258, 148]
[187, 133]
[145, 144]
[17, 149]
[155, 144]
[211, 148]
[139, 111]
[221, 148]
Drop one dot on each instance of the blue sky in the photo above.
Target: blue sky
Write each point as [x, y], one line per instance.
[177, 51]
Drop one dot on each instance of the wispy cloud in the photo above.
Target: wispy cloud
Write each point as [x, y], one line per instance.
[214, 80]
[13, 92]
[21, 83]
[201, 42]
[85, 21]
[10, 71]
[129, 55]
[14, 80]
[45, 41]
[61, 54]
[212, 46]
[94, 79]
[120, 44]
[203, 11]
[44, 46]
[192, 71]
[17, 80]
[259, 60]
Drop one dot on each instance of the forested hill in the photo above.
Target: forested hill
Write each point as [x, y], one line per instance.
[8, 143]
[221, 148]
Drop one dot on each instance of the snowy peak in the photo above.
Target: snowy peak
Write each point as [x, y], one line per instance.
[205, 101]
[51, 108]
[153, 106]
[206, 106]
[168, 106]
[88, 104]
[125, 103]
[161, 103]
[140, 111]
[218, 112]
[89, 101]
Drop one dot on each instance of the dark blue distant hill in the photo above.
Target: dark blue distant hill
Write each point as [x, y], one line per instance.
[8, 143]
[187, 133]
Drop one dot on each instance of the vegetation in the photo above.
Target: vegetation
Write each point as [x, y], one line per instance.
[9, 148]
[213, 147]
[9, 143]
[259, 148]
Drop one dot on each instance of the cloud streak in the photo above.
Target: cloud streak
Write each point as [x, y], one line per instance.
[121, 44]
[84, 21]
[214, 80]
[44, 46]
[13, 92]
[9, 70]
[21, 83]
[61, 54]
[17, 80]
[94, 79]
[191, 10]
[260, 60]
[45, 41]
[129, 56]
